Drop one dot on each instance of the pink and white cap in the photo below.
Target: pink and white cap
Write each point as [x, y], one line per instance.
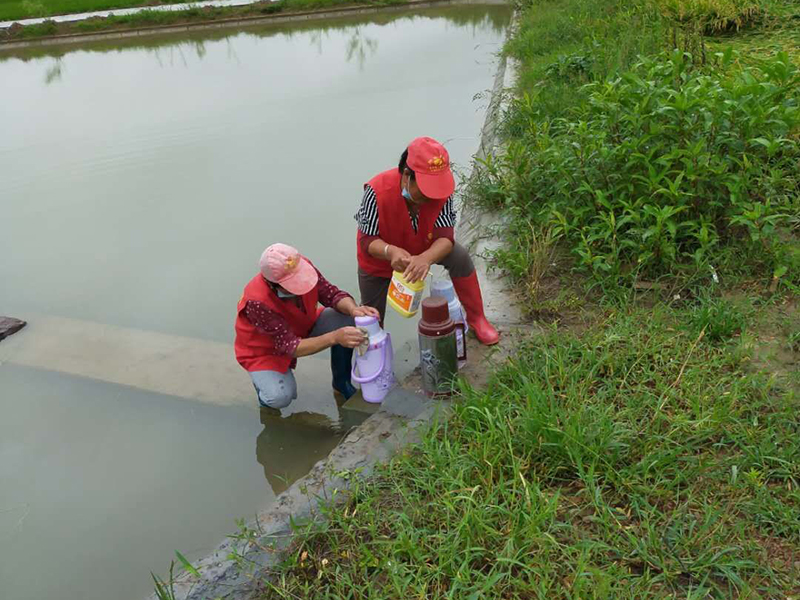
[285, 266]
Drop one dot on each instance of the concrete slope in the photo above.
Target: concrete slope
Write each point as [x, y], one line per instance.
[168, 364]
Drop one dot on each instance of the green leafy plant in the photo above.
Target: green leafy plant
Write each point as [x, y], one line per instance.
[793, 341]
[571, 67]
[664, 167]
[718, 319]
[165, 590]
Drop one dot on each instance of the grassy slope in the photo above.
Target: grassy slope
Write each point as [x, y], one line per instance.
[639, 459]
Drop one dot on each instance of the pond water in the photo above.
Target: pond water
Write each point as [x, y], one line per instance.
[139, 183]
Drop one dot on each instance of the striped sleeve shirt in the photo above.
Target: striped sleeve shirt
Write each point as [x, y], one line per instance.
[367, 215]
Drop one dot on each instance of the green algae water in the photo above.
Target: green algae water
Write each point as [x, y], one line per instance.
[140, 182]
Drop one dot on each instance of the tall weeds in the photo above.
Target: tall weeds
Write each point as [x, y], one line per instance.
[664, 166]
[715, 16]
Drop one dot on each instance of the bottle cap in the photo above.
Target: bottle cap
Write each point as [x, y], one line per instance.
[435, 310]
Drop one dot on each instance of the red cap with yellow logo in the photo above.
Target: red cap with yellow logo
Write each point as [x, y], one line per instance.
[285, 266]
[431, 165]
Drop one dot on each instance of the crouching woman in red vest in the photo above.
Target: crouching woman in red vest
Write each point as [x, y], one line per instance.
[279, 320]
[406, 224]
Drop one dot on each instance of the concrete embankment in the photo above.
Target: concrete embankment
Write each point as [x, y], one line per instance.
[166, 364]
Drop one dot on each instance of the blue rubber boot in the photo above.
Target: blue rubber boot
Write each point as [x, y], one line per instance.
[341, 365]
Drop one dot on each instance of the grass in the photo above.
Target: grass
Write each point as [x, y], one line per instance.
[780, 32]
[561, 44]
[715, 16]
[640, 459]
[23, 9]
[593, 37]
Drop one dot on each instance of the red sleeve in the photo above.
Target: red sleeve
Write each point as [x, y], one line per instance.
[444, 232]
[329, 294]
[273, 325]
[365, 240]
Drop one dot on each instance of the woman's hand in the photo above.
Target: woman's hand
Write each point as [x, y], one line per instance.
[349, 337]
[399, 258]
[365, 311]
[417, 269]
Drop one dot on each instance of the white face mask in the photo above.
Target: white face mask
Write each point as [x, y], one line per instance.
[279, 291]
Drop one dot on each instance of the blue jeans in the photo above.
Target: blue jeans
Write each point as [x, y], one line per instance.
[276, 389]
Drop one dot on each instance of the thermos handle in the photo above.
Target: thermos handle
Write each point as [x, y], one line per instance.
[370, 378]
[462, 326]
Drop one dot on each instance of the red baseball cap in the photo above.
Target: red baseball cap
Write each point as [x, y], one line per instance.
[285, 266]
[431, 165]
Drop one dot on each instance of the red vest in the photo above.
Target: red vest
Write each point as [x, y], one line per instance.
[394, 222]
[255, 350]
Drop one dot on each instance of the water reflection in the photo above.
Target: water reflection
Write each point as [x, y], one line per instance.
[182, 51]
[177, 53]
[359, 46]
[54, 71]
[289, 446]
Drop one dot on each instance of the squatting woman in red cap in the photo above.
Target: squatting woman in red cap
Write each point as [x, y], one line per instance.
[406, 223]
[279, 319]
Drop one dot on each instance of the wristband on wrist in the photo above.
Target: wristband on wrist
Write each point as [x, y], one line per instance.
[386, 251]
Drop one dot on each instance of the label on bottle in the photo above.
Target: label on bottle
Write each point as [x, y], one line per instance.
[397, 292]
[416, 303]
[459, 342]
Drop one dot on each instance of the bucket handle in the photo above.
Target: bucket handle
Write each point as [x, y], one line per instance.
[370, 378]
[460, 325]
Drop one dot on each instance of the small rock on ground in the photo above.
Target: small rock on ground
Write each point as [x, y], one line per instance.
[10, 326]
